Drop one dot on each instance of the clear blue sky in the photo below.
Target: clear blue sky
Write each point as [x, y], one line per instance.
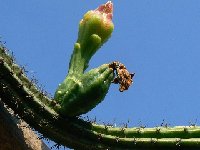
[156, 39]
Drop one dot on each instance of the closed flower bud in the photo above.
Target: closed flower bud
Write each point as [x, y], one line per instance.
[95, 28]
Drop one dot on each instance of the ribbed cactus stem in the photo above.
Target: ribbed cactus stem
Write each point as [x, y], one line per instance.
[20, 94]
[155, 132]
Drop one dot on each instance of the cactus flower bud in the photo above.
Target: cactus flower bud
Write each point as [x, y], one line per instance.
[94, 30]
[98, 22]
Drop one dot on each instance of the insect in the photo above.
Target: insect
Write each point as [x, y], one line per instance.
[123, 77]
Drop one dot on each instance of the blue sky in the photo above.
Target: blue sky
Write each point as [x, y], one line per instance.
[158, 40]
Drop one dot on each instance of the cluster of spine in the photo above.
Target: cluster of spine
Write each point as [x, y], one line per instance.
[32, 105]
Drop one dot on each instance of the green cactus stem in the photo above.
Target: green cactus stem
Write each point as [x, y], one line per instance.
[77, 96]
[20, 94]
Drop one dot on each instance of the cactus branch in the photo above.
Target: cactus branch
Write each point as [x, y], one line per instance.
[32, 105]
[81, 91]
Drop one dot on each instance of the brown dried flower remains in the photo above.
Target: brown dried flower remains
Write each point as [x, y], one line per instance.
[122, 75]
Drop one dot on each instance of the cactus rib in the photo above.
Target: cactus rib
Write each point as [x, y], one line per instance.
[22, 96]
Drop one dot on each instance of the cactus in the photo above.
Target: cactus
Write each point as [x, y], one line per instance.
[80, 91]
[56, 121]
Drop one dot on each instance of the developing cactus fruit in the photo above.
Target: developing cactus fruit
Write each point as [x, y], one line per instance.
[80, 92]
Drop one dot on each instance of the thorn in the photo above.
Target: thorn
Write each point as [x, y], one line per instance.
[143, 126]
[123, 129]
[139, 130]
[125, 125]
[193, 124]
[40, 137]
[11, 73]
[164, 124]
[153, 141]
[88, 119]
[117, 139]
[20, 86]
[5, 87]
[158, 130]
[57, 146]
[30, 85]
[134, 140]
[23, 70]
[106, 127]
[94, 120]
[55, 117]
[53, 103]
[30, 97]
[12, 58]
[178, 142]
[185, 129]
[42, 109]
